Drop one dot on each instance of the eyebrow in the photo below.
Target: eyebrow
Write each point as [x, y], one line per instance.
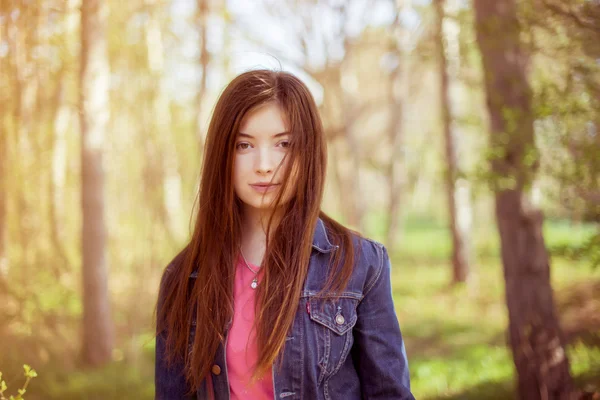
[252, 137]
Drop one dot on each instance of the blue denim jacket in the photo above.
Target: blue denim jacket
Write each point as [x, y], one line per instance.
[350, 348]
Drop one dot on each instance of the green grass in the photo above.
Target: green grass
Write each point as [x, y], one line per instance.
[426, 240]
[455, 336]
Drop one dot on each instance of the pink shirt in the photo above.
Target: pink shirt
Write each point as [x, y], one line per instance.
[242, 350]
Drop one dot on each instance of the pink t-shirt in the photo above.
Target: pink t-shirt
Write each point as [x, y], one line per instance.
[242, 350]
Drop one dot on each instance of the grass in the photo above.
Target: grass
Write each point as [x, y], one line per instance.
[455, 336]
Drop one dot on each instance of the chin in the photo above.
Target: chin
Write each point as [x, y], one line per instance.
[258, 203]
[262, 205]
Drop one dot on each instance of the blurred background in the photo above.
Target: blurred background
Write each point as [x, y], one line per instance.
[104, 107]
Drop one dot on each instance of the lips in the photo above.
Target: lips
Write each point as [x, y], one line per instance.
[264, 187]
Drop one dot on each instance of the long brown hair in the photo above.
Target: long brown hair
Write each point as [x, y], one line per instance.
[213, 248]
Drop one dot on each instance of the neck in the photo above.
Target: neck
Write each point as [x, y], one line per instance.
[254, 232]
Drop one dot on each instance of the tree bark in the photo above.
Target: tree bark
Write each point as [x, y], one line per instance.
[448, 55]
[536, 339]
[94, 112]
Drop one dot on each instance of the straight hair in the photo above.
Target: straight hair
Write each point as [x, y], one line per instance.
[213, 249]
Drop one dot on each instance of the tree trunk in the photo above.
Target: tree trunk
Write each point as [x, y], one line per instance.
[5, 99]
[396, 176]
[355, 200]
[3, 190]
[94, 109]
[56, 185]
[535, 336]
[202, 18]
[23, 93]
[448, 55]
[357, 203]
[336, 112]
[395, 181]
[172, 213]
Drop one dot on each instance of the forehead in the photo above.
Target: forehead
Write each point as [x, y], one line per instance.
[266, 120]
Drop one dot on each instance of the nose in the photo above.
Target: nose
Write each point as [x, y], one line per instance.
[264, 162]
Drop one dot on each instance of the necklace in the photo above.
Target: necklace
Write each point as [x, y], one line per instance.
[254, 283]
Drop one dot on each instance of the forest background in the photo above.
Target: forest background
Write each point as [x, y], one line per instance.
[461, 134]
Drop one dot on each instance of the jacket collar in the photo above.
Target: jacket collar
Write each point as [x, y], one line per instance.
[321, 242]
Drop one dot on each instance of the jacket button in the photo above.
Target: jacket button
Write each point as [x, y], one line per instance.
[216, 369]
[339, 319]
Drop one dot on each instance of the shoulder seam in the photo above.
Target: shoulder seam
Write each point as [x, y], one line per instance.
[380, 269]
[375, 242]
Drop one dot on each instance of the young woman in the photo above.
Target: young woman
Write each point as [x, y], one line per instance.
[272, 299]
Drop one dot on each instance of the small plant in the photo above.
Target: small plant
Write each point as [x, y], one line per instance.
[29, 374]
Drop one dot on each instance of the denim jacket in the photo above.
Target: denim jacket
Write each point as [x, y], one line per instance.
[349, 348]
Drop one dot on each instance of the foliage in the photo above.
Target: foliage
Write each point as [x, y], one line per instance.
[590, 250]
[563, 38]
[29, 375]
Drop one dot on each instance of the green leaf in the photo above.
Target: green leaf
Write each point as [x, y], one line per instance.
[29, 372]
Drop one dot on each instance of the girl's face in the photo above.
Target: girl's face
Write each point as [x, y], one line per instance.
[261, 144]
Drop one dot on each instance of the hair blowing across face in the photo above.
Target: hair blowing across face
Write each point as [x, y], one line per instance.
[213, 248]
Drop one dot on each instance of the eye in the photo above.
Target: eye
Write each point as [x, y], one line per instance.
[285, 144]
[242, 146]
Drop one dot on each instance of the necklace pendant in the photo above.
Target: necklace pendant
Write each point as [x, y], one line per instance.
[254, 283]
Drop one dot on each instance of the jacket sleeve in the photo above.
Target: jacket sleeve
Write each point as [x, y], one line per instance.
[169, 380]
[378, 352]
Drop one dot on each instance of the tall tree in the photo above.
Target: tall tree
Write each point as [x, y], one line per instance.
[3, 190]
[4, 99]
[459, 209]
[161, 103]
[536, 338]
[94, 112]
[202, 20]
[396, 95]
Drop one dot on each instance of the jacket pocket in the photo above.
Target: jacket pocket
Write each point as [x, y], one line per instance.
[333, 320]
